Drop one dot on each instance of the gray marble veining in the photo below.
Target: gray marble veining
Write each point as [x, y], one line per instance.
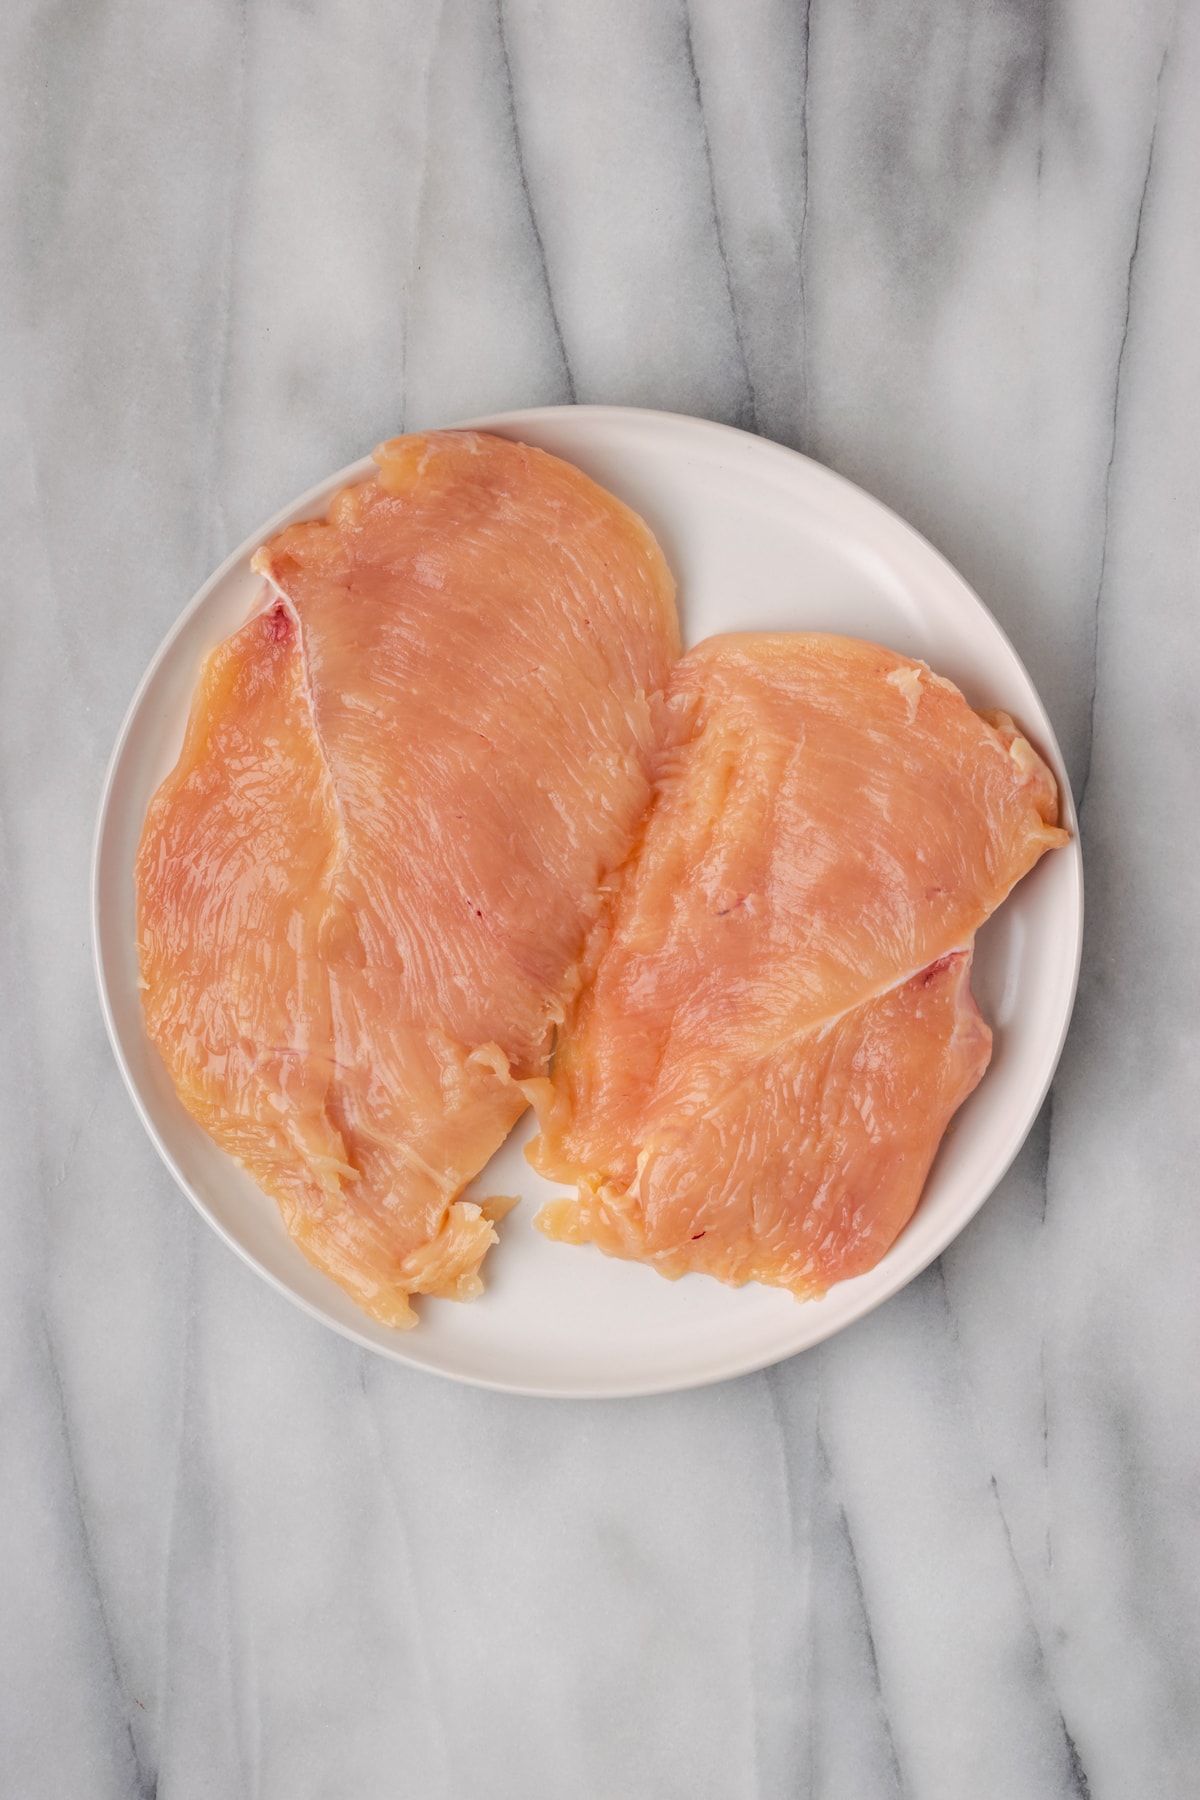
[950, 249]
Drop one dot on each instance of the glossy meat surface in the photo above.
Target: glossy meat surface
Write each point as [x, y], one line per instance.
[779, 1024]
[364, 890]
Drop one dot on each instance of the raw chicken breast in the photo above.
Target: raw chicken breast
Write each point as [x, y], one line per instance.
[779, 1024]
[364, 890]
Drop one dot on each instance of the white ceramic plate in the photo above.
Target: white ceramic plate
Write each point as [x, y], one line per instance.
[759, 539]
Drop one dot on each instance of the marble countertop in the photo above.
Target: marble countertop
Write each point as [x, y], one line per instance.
[954, 252]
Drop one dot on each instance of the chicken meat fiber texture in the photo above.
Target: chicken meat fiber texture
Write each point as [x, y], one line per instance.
[364, 890]
[778, 1023]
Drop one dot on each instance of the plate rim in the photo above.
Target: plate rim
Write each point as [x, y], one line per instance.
[899, 1276]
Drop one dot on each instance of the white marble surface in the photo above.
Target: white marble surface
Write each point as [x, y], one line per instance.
[951, 249]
